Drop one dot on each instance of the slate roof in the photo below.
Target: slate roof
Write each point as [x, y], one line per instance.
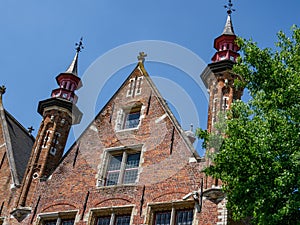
[228, 29]
[18, 144]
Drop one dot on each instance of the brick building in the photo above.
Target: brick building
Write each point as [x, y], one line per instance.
[133, 164]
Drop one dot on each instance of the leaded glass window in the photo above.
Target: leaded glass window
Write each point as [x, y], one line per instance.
[132, 119]
[122, 168]
[174, 217]
[184, 217]
[163, 218]
[113, 219]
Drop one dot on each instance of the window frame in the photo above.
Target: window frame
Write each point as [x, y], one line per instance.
[112, 212]
[127, 114]
[66, 215]
[173, 208]
[106, 159]
[122, 115]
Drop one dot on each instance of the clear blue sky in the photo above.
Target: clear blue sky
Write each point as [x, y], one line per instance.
[37, 37]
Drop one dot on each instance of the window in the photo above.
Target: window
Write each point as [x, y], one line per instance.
[52, 151]
[132, 118]
[181, 217]
[111, 216]
[113, 220]
[122, 167]
[57, 218]
[180, 213]
[59, 222]
[225, 103]
[129, 117]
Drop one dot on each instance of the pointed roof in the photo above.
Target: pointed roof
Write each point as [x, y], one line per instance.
[18, 142]
[73, 68]
[228, 29]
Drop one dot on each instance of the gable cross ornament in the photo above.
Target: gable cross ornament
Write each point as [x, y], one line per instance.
[141, 57]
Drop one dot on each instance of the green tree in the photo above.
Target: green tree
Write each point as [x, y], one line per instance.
[259, 160]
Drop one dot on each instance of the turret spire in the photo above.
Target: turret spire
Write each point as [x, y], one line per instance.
[228, 29]
[69, 81]
[225, 44]
[73, 68]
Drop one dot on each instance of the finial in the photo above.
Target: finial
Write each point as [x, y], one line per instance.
[30, 129]
[229, 7]
[141, 57]
[191, 127]
[2, 90]
[79, 45]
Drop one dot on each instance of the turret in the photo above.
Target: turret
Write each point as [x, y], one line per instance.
[225, 44]
[218, 77]
[59, 113]
[219, 81]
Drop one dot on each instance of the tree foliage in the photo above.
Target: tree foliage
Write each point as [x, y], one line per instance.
[259, 160]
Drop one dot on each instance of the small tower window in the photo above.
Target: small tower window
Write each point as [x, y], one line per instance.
[52, 151]
[225, 103]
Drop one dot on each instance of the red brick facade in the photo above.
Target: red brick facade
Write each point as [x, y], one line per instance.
[133, 162]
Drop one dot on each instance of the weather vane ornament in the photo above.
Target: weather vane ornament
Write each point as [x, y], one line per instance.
[79, 45]
[229, 7]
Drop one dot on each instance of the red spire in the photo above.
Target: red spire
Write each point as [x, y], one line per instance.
[69, 81]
